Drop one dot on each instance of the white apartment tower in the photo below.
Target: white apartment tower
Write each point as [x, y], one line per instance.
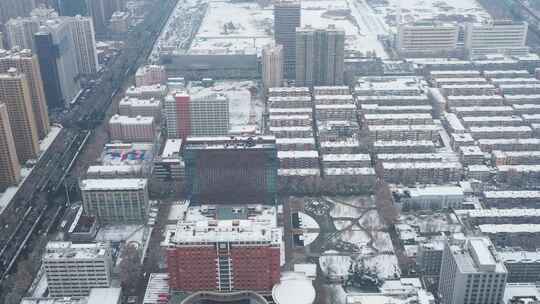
[426, 38]
[471, 273]
[498, 37]
[20, 32]
[73, 269]
[272, 66]
[82, 29]
[209, 115]
[116, 200]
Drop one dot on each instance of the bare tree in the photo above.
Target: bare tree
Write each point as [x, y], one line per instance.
[385, 203]
[130, 268]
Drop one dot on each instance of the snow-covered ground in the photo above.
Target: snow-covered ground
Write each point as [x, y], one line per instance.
[345, 211]
[335, 265]
[243, 111]
[385, 265]
[122, 233]
[307, 222]
[355, 236]
[342, 224]
[414, 10]
[235, 26]
[382, 241]
[371, 220]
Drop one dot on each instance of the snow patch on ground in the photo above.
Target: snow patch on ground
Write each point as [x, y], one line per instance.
[307, 222]
[355, 236]
[385, 265]
[345, 211]
[335, 265]
[382, 241]
[342, 224]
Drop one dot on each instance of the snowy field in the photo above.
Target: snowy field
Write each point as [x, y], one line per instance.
[355, 236]
[414, 10]
[345, 211]
[235, 27]
[242, 110]
[335, 265]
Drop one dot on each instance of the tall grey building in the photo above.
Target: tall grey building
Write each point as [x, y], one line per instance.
[320, 55]
[286, 20]
[471, 273]
[82, 30]
[15, 8]
[55, 48]
[272, 66]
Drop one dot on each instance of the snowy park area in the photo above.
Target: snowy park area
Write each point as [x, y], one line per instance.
[234, 27]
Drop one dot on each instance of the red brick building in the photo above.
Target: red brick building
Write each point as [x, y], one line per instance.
[242, 252]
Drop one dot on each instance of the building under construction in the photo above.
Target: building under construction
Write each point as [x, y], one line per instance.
[235, 170]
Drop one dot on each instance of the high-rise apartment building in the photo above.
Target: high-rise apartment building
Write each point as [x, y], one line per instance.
[26, 62]
[177, 115]
[209, 115]
[101, 12]
[203, 116]
[502, 37]
[228, 169]
[431, 38]
[73, 269]
[82, 29]
[15, 8]
[320, 56]
[2, 43]
[286, 19]
[20, 32]
[55, 49]
[225, 248]
[116, 200]
[272, 66]
[10, 169]
[15, 93]
[471, 273]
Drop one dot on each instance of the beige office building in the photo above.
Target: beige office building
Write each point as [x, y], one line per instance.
[15, 93]
[10, 170]
[26, 62]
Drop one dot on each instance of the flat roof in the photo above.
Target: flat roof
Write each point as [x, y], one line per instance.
[349, 171]
[421, 165]
[200, 225]
[509, 228]
[511, 194]
[64, 250]
[109, 295]
[105, 184]
[494, 212]
[298, 154]
[172, 148]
